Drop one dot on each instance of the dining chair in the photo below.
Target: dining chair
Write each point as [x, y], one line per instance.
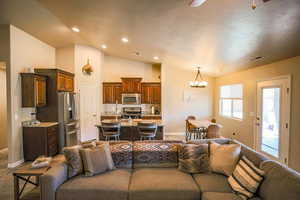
[191, 132]
[111, 130]
[213, 131]
[147, 130]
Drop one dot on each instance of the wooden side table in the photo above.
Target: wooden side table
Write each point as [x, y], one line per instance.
[25, 173]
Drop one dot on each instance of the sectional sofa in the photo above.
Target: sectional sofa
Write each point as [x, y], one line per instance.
[148, 171]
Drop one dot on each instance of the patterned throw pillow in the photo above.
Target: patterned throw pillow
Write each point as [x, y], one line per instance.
[246, 178]
[193, 158]
[74, 160]
[121, 152]
[97, 160]
[224, 158]
[155, 154]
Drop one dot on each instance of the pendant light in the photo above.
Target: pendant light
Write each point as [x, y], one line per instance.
[198, 82]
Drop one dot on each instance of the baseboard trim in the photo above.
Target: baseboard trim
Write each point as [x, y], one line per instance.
[175, 133]
[15, 164]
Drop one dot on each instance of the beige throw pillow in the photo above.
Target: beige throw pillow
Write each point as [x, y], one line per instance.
[224, 158]
[97, 160]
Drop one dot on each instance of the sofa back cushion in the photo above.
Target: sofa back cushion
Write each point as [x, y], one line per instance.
[280, 182]
[155, 154]
[255, 157]
[121, 152]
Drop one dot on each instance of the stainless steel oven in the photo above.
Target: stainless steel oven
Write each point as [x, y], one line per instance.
[131, 99]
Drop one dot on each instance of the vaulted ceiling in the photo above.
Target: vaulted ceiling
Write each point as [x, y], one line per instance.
[221, 35]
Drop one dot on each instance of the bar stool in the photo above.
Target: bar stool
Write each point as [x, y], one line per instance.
[111, 130]
[147, 130]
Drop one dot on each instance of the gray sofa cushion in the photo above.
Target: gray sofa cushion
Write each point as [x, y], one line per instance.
[254, 156]
[112, 185]
[212, 182]
[279, 183]
[219, 196]
[162, 184]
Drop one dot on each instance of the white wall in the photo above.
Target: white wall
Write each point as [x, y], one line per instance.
[180, 101]
[65, 58]
[114, 68]
[25, 52]
[90, 89]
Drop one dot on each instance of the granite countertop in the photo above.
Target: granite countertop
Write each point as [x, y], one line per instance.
[125, 123]
[42, 124]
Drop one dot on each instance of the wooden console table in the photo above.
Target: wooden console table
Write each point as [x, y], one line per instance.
[25, 173]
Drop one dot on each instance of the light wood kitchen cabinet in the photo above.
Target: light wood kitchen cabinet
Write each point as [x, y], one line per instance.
[62, 81]
[112, 92]
[33, 90]
[65, 82]
[131, 85]
[151, 93]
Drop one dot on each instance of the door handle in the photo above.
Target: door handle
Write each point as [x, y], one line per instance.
[257, 124]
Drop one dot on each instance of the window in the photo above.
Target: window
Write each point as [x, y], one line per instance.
[231, 101]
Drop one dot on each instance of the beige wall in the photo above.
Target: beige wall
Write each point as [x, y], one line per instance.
[65, 58]
[25, 52]
[245, 129]
[114, 68]
[3, 111]
[180, 101]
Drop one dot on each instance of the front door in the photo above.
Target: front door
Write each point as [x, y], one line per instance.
[273, 114]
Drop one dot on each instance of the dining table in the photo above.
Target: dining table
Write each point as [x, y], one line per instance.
[202, 123]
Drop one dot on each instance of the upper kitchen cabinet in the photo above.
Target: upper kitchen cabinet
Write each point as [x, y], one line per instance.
[65, 82]
[131, 85]
[151, 93]
[33, 90]
[112, 93]
[62, 81]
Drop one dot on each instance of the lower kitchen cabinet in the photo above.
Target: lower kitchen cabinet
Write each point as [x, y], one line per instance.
[40, 140]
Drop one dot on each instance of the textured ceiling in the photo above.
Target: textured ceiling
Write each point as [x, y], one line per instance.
[221, 35]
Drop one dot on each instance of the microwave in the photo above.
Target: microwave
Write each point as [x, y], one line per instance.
[131, 99]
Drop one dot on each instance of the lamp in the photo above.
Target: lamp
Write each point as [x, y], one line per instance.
[198, 83]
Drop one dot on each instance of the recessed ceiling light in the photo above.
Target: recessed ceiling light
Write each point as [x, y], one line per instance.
[155, 57]
[75, 29]
[103, 46]
[125, 40]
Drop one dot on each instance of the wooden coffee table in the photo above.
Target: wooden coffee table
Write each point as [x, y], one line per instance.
[25, 173]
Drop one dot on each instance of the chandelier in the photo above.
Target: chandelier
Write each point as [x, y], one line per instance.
[198, 82]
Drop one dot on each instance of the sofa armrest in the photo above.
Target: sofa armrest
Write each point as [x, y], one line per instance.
[52, 179]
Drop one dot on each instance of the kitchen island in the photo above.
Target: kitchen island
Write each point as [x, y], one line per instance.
[129, 130]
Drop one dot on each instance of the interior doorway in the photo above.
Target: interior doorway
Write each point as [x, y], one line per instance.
[273, 118]
[3, 107]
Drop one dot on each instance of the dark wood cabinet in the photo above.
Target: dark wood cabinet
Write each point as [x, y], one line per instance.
[40, 140]
[62, 81]
[112, 92]
[33, 90]
[151, 93]
[131, 85]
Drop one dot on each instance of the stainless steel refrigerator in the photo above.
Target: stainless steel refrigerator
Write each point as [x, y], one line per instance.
[68, 117]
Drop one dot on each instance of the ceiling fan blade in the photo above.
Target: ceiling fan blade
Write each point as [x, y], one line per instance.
[196, 3]
[265, 1]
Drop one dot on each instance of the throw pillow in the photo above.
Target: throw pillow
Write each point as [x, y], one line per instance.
[74, 160]
[97, 160]
[193, 158]
[224, 158]
[155, 154]
[246, 178]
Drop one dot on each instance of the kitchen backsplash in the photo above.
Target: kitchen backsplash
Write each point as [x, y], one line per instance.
[111, 108]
